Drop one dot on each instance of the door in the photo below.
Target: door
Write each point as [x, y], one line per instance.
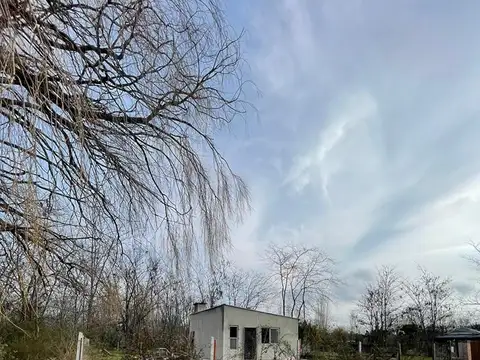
[250, 344]
[475, 349]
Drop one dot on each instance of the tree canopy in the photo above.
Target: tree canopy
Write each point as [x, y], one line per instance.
[107, 115]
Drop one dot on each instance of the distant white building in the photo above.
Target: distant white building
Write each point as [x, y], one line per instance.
[243, 334]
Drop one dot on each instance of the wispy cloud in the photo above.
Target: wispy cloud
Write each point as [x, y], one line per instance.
[369, 132]
[356, 108]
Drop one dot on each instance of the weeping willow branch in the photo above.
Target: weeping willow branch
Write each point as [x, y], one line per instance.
[108, 110]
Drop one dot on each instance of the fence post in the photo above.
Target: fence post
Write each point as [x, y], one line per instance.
[79, 355]
[360, 347]
[213, 349]
[82, 342]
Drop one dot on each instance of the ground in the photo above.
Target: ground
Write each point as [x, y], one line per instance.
[98, 354]
[334, 356]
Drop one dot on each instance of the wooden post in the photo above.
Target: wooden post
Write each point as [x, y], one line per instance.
[213, 349]
[360, 347]
[79, 354]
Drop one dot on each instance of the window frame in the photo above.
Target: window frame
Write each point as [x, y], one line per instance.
[267, 341]
[268, 332]
[278, 335]
[233, 338]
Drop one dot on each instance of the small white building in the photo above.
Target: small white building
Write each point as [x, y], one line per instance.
[243, 334]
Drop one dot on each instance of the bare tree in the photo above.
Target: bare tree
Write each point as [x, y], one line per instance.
[379, 306]
[224, 281]
[474, 298]
[354, 325]
[154, 299]
[138, 277]
[107, 114]
[430, 304]
[209, 280]
[249, 289]
[282, 262]
[322, 313]
[304, 275]
[431, 300]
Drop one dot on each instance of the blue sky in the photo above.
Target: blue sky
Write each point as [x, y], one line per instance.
[366, 139]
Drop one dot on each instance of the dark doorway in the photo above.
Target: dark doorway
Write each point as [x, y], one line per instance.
[250, 344]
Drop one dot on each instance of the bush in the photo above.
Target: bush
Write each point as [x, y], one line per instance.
[31, 341]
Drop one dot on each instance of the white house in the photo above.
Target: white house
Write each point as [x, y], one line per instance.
[243, 334]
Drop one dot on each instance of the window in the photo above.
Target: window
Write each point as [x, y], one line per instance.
[265, 335]
[233, 337]
[270, 336]
[192, 338]
[274, 336]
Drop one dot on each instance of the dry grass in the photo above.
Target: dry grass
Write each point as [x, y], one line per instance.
[101, 354]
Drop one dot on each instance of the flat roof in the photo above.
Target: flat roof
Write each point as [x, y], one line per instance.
[460, 334]
[240, 308]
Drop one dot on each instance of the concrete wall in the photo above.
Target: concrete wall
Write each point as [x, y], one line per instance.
[206, 324]
[288, 334]
[216, 322]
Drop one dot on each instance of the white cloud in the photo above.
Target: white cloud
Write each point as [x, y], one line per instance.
[281, 45]
[246, 245]
[373, 110]
[439, 235]
[307, 168]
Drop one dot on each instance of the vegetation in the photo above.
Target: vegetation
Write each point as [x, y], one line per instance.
[394, 314]
[108, 115]
[305, 274]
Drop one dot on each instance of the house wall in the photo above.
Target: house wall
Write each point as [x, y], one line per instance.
[464, 352]
[206, 324]
[454, 351]
[288, 334]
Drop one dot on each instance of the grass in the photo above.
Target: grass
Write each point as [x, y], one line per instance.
[99, 354]
[334, 356]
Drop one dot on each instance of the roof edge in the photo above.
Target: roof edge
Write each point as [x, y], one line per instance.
[245, 309]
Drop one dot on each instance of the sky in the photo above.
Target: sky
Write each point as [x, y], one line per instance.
[366, 136]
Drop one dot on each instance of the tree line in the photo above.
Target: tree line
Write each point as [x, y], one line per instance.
[109, 111]
[414, 310]
[396, 311]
